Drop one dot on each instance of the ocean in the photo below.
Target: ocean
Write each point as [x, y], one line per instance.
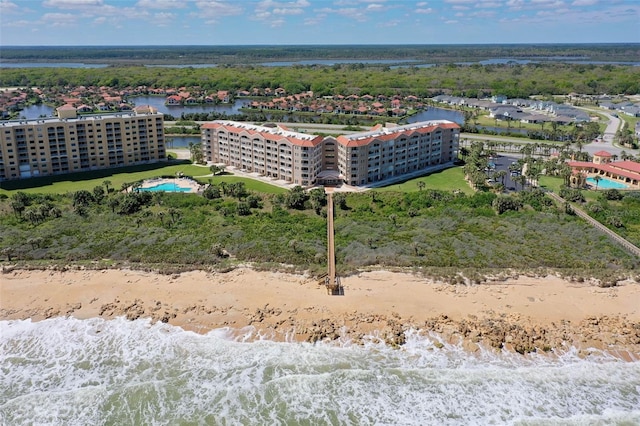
[66, 371]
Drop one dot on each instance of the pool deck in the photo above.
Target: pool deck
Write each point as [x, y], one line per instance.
[194, 187]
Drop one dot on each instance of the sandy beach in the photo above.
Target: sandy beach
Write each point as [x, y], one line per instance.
[523, 314]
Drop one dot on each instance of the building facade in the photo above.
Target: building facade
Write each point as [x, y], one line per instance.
[387, 152]
[274, 152]
[357, 159]
[72, 143]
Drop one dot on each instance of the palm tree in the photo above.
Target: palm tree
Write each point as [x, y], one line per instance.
[175, 214]
[223, 187]
[107, 184]
[501, 174]
[421, 185]
[597, 178]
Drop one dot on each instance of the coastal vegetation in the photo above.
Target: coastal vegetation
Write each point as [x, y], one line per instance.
[432, 230]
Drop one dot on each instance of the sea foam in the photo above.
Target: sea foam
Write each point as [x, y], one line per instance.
[80, 372]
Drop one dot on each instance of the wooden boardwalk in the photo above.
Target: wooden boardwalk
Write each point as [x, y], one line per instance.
[332, 281]
[615, 237]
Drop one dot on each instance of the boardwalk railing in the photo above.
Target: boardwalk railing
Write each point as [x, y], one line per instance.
[334, 287]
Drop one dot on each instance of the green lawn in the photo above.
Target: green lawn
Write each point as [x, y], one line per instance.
[447, 180]
[554, 183]
[88, 180]
[250, 184]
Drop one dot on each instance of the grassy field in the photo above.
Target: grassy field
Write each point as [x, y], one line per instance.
[250, 184]
[446, 180]
[554, 183]
[88, 180]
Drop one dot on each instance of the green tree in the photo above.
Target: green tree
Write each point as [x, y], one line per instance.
[98, 194]
[296, 198]
[597, 178]
[340, 198]
[243, 208]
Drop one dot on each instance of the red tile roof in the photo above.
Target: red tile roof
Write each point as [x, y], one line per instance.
[627, 169]
[385, 134]
[603, 154]
[277, 133]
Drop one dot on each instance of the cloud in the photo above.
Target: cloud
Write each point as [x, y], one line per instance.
[424, 10]
[393, 23]
[316, 19]
[515, 4]
[163, 19]
[584, 2]
[274, 11]
[548, 3]
[8, 7]
[72, 4]
[59, 19]
[18, 23]
[489, 4]
[212, 10]
[161, 4]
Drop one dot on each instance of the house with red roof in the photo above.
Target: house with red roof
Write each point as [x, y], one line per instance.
[624, 172]
[173, 100]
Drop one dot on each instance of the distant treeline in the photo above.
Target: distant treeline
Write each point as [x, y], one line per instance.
[252, 54]
[476, 80]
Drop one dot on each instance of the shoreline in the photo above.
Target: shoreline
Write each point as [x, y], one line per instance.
[524, 314]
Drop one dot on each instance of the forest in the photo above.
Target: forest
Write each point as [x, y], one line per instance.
[513, 81]
[432, 54]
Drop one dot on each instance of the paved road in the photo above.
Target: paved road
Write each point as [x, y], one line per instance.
[612, 127]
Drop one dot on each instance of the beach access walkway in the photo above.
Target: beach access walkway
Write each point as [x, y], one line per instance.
[332, 281]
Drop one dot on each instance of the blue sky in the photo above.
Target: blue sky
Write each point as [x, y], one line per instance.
[240, 22]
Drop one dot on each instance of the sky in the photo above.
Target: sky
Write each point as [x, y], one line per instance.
[286, 22]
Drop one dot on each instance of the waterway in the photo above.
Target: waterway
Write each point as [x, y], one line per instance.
[177, 110]
[36, 111]
[395, 63]
[433, 113]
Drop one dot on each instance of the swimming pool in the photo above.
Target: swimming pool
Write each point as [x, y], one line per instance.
[166, 187]
[606, 183]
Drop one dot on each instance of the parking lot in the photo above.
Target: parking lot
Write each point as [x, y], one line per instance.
[502, 162]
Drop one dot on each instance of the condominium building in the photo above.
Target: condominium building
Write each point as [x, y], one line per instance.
[356, 159]
[72, 143]
[270, 151]
[388, 152]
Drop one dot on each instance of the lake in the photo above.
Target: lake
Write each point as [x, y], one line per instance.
[177, 110]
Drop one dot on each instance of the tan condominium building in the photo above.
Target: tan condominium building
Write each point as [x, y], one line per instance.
[73, 143]
[356, 159]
